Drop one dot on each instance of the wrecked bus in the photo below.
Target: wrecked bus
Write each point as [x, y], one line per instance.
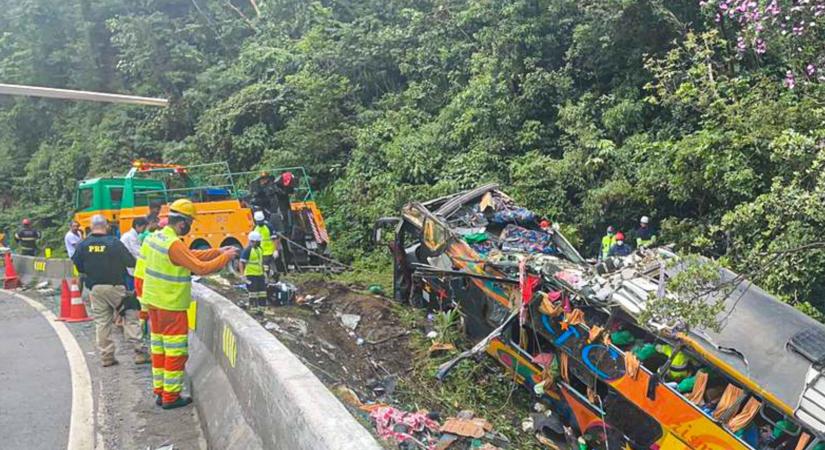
[568, 331]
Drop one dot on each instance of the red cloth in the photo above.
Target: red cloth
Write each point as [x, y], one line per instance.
[530, 284]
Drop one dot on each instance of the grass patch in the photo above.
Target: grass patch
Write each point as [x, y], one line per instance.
[478, 385]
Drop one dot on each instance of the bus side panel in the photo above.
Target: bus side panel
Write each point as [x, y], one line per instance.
[676, 416]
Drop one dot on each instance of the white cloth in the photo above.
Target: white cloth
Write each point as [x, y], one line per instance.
[71, 241]
[131, 239]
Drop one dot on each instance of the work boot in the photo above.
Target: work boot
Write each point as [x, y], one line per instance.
[109, 362]
[180, 402]
[142, 358]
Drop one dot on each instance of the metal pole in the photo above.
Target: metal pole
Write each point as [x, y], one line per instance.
[35, 91]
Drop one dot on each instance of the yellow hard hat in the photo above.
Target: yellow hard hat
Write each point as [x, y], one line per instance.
[183, 207]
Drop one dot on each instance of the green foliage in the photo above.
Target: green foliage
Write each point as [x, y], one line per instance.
[445, 324]
[694, 297]
[593, 113]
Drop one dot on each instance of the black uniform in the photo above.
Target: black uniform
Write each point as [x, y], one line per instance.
[103, 259]
[27, 238]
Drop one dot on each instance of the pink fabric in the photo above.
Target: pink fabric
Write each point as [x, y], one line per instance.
[387, 417]
[543, 359]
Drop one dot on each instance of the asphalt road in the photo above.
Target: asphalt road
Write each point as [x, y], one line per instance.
[35, 381]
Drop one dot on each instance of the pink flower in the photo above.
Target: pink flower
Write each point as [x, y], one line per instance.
[810, 70]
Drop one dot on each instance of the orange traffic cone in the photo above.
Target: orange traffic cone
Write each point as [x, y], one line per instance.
[10, 280]
[65, 301]
[77, 310]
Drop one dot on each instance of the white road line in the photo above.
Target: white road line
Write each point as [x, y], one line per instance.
[81, 429]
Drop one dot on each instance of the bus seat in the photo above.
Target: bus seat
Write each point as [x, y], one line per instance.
[548, 308]
[745, 416]
[803, 441]
[563, 365]
[631, 364]
[595, 331]
[730, 398]
[697, 395]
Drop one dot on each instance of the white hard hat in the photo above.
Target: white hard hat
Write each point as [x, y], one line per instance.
[645, 219]
[258, 216]
[255, 236]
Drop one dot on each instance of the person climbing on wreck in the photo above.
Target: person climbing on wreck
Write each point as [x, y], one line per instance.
[620, 248]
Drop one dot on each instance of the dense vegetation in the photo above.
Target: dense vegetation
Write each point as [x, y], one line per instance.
[707, 116]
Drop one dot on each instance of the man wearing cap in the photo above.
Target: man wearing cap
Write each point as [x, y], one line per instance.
[167, 287]
[268, 241]
[645, 237]
[607, 241]
[103, 261]
[252, 268]
[27, 238]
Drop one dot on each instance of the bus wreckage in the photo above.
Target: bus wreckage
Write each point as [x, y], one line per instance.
[569, 331]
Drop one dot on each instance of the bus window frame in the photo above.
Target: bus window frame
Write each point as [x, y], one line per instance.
[435, 235]
[785, 416]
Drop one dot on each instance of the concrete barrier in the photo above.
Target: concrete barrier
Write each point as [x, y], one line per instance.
[251, 392]
[33, 269]
[268, 398]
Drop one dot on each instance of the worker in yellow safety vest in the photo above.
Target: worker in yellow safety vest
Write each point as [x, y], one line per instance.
[167, 286]
[269, 242]
[679, 366]
[252, 267]
[607, 241]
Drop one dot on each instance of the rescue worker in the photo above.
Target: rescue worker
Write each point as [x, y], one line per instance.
[283, 188]
[167, 292]
[269, 241]
[252, 268]
[607, 242]
[263, 192]
[679, 366]
[26, 238]
[103, 260]
[619, 248]
[73, 238]
[131, 239]
[645, 237]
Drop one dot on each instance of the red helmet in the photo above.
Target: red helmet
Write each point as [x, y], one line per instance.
[26, 221]
[619, 236]
[287, 178]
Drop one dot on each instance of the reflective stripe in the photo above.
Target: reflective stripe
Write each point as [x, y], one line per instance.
[171, 278]
[158, 248]
[175, 344]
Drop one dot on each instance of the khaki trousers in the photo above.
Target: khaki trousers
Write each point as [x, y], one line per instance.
[105, 301]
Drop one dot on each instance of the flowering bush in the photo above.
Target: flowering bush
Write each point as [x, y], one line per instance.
[791, 29]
